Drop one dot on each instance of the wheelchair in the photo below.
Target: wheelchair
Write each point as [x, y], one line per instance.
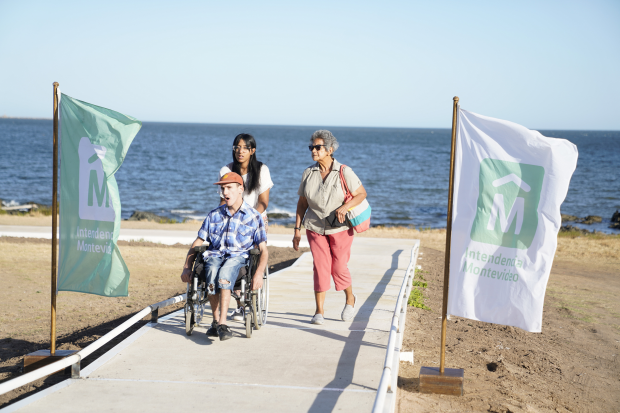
[255, 303]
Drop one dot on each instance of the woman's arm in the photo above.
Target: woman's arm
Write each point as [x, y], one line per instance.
[263, 202]
[302, 206]
[358, 196]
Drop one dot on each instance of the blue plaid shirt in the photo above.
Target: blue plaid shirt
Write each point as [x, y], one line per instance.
[232, 235]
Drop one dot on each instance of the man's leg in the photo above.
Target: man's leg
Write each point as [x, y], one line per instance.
[224, 303]
[214, 300]
[226, 282]
[213, 267]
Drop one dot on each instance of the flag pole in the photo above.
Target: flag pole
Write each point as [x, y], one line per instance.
[446, 271]
[442, 380]
[54, 222]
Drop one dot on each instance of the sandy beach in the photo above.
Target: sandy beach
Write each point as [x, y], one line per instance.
[571, 366]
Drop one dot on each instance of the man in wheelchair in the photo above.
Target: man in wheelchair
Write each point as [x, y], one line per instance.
[232, 230]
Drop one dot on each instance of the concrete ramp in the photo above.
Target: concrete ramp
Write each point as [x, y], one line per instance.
[289, 365]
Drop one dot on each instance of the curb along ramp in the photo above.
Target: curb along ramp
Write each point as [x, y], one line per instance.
[289, 365]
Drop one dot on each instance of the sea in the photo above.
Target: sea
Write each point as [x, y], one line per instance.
[170, 169]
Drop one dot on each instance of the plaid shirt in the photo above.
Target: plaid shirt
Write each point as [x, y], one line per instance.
[232, 235]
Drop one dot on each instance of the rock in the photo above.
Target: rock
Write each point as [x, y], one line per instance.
[146, 216]
[615, 220]
[278, 215]
[590, 219]
[569, 218]
[570, 228]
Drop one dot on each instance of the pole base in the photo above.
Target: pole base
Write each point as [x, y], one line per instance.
[433, 382]
[41, 358]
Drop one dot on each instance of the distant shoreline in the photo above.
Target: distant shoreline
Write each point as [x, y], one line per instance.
[24, 118]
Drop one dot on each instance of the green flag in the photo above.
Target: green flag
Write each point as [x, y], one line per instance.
[93, 144]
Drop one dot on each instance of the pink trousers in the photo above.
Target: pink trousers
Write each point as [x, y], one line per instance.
[331, 255]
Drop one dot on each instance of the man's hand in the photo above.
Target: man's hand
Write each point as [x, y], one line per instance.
[186, 275]
[257, 281]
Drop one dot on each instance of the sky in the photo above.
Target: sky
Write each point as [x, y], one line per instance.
[543, 64]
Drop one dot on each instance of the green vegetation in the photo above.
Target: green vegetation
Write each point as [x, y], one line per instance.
[416, 298]
[171, 221]
[587, 235]
[168, 221]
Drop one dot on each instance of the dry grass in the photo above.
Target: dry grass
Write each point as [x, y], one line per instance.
[25, 289]
[600, 248]
[33, 219]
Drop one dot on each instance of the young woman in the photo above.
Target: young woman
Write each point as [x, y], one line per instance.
[256, 181]
[256, 177]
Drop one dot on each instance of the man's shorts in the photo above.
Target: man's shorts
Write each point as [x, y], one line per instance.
[222, 272]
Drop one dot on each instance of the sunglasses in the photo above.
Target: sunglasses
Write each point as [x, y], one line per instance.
[241, 148]
[317, 147]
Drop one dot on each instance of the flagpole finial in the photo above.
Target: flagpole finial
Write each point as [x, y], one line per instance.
[56, 84]
[456, 98]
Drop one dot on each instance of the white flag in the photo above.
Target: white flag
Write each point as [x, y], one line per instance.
[509, 183]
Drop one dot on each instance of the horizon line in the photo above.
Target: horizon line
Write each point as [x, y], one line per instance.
[327, 126]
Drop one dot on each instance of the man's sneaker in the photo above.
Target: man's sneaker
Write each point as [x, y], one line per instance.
[212, 331]
[224, 332]
[238, 314]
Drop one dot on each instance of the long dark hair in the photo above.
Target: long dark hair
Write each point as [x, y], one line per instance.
[253, 180]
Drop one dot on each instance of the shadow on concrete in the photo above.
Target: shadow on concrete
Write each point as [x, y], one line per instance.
[326, 400]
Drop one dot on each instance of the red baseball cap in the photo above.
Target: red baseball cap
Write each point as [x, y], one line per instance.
[230, 178]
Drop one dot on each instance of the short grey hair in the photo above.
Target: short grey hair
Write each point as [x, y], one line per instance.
[329, 139]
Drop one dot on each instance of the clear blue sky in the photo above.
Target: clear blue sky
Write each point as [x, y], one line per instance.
[543, 64]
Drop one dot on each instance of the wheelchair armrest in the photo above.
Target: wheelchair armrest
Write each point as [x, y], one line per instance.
[254, 251]
[200, 248]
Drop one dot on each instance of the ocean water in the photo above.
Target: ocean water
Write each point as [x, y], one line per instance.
[170, 168]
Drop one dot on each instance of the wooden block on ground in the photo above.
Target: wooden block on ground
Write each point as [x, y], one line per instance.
[41, 358]
[450, 382]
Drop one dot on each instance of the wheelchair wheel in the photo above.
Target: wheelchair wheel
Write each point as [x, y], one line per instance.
[199, 305]
[263, 300]
[189, 319]
[255, 310]
[248, 322]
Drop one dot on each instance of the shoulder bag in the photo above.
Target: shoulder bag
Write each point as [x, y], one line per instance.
[359, 216]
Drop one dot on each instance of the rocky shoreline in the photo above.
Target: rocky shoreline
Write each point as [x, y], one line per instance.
[13, 208]
[589, 220]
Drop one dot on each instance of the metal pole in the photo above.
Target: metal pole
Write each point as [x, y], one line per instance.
[54, 222]
[446, 272]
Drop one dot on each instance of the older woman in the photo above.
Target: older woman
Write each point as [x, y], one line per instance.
[320, 198]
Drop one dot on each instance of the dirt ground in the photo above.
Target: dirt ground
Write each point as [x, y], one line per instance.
[571, 366]
[82, 318]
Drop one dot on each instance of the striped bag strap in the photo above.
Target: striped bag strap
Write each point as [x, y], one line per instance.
[345, 188]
